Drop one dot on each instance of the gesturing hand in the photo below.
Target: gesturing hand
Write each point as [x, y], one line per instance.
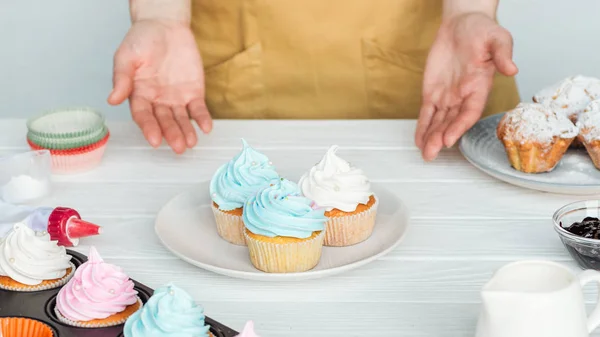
[469, 48]
[159, 69]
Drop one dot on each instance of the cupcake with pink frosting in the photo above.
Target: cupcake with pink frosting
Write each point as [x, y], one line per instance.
[248, 330]
[98, 295]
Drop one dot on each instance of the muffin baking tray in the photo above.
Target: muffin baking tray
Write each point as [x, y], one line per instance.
[40, 306]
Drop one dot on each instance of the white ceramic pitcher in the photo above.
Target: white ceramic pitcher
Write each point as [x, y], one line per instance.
[537, 299]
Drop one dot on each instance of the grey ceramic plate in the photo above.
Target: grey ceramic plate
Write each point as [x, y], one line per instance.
[574, 174]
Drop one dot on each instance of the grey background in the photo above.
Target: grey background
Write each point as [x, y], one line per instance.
[59, 53]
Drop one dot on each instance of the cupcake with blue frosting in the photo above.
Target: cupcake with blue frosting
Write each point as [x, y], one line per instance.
[284, 230]
[232, 185]
[169, 312]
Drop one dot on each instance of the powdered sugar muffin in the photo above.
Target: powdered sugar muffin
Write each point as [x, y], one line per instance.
[535, 137]
[589, 131]
[570, 96]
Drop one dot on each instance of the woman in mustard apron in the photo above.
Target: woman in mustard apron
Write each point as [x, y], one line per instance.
[313, 59]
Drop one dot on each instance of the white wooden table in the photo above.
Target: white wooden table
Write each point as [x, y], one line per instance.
[464, 226]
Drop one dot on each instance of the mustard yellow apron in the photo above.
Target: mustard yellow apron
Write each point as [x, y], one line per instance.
[320, 59]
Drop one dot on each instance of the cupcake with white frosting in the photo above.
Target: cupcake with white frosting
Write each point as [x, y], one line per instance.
[570, 96]
[589, 131]
[30, 261]
[345, 193]
[535, 137]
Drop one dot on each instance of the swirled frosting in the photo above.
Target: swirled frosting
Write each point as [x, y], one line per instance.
[281, 210]
[334, 183]
[571, 95]
[536, 122]
[589, 122]
[97, 290]
[30, 257]
[248, 330]
[241, 177]
[170, 312]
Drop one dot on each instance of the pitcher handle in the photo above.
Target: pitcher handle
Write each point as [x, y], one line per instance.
[586, 277]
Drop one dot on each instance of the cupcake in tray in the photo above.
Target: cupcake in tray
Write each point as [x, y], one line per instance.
[589, 131]
[345, 193]
[248, 330]
[169, 312]
[30, 261]
[284, 231]
[24, 327]
[535, 137]
[232, 184]
[75, 137]
[98, 295]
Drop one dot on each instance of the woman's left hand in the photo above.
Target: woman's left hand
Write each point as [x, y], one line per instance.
[468, 50]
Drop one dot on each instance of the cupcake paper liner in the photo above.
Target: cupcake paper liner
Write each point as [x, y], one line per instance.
[116, 319]
[293, 257]
[351, 229]
[230, 227]
[76, 163]
[68, 143]
[43, 286]
[24, 327]
[66, 123]
[77, 160]
[72, 151]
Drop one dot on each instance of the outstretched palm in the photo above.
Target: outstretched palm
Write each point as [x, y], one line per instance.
[458, 78]
[159, 69]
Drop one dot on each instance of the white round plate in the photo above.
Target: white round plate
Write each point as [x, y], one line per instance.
[574, 174]
[186, 226]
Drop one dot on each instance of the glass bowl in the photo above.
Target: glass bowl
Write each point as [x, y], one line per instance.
[25, 177]
[585, 251]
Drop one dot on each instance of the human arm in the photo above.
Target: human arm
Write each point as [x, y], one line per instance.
[159, 69]
[469, 48]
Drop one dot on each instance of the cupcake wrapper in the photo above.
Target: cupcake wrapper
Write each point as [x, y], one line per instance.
[56, 119]
[68, 143]
[46, 286]
[24, 327]
[77, 160]
[351, 229]
[230, 227]
[293, 257]
[77, 163]
[108, 321]
[73, 151]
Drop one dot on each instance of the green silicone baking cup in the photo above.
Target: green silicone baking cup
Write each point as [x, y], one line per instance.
[66, 123]
[67, 143]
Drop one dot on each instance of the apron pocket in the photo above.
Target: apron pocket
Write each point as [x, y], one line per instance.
[393, 81]
[234, 88]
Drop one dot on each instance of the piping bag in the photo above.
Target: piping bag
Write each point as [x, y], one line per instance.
[62, 223]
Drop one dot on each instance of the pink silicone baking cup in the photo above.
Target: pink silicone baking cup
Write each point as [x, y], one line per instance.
[76, 160]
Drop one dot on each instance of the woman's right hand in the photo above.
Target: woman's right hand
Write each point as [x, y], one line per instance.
[158, 67]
